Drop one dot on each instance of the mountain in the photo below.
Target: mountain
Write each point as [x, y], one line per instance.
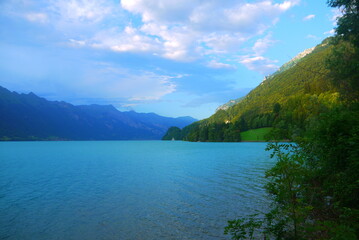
[229, 104]
[286, 99]
[29, 117]
[293, 61]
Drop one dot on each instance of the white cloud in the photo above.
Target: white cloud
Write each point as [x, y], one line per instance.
[109, 80]
[209, 16]
[309, 17]
[178, 42]
[152, 87]
[180, 30]
[219, 65]
[81, 11]
[259, 64]
[36, 17]
[77, 43]
[256, 61]
[251, 18]
[310, 36]
[221, 43]
[128, 40]
[70, 18]
[188, 29]
[261, 45]
[129, 105]
[331, 32]
[25, 9]
[336, 13]
[163, 11]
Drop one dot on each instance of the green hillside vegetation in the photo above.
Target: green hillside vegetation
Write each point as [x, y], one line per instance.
[286, 100]
[314, 185]
[173, 133]
[259, 135]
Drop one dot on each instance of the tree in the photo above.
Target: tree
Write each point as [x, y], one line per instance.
[348, 26]
[288, 212]
[276, 108]
[173, 133]
[344, 60]
[314, 192]
[344, 64]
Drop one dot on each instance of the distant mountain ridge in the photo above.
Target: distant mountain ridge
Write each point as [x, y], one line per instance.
[29, 117]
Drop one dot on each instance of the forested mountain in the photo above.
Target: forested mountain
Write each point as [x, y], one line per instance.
[286, 99]
[29, 117]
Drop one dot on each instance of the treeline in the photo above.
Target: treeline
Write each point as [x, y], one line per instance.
[314, 186]
[288, 120]
[220, 132]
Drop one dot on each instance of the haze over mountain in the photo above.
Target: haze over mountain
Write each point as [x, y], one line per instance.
[29, 117]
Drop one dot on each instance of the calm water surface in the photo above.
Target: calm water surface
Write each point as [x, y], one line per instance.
[127, 190]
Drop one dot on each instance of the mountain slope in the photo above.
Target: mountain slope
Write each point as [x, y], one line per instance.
[297, 90]
[29, 117]
[229, 104]
[283, 68]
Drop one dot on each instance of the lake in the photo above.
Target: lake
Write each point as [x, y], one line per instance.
[128, 189]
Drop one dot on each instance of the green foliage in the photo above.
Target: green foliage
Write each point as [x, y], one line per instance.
[288, 212]
[347, 24]
[334, 140]
[299, 110]
[173, 133]
[260, 134]
[215, 132]
[309, 72]
[276, 108]
[314, 185]
[243, 228]
[344, 64]
[344, 60]
[285, 220]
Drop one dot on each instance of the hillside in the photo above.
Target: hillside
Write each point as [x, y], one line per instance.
[229, 104]
[285, 99]
[29, 117]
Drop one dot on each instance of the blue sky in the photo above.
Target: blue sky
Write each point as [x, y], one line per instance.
[171, 57]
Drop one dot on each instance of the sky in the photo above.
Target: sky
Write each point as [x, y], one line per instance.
[171, 57]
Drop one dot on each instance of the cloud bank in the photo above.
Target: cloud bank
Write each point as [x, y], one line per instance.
[179, 30]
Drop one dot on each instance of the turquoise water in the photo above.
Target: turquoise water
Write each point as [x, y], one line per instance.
[127, 189]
